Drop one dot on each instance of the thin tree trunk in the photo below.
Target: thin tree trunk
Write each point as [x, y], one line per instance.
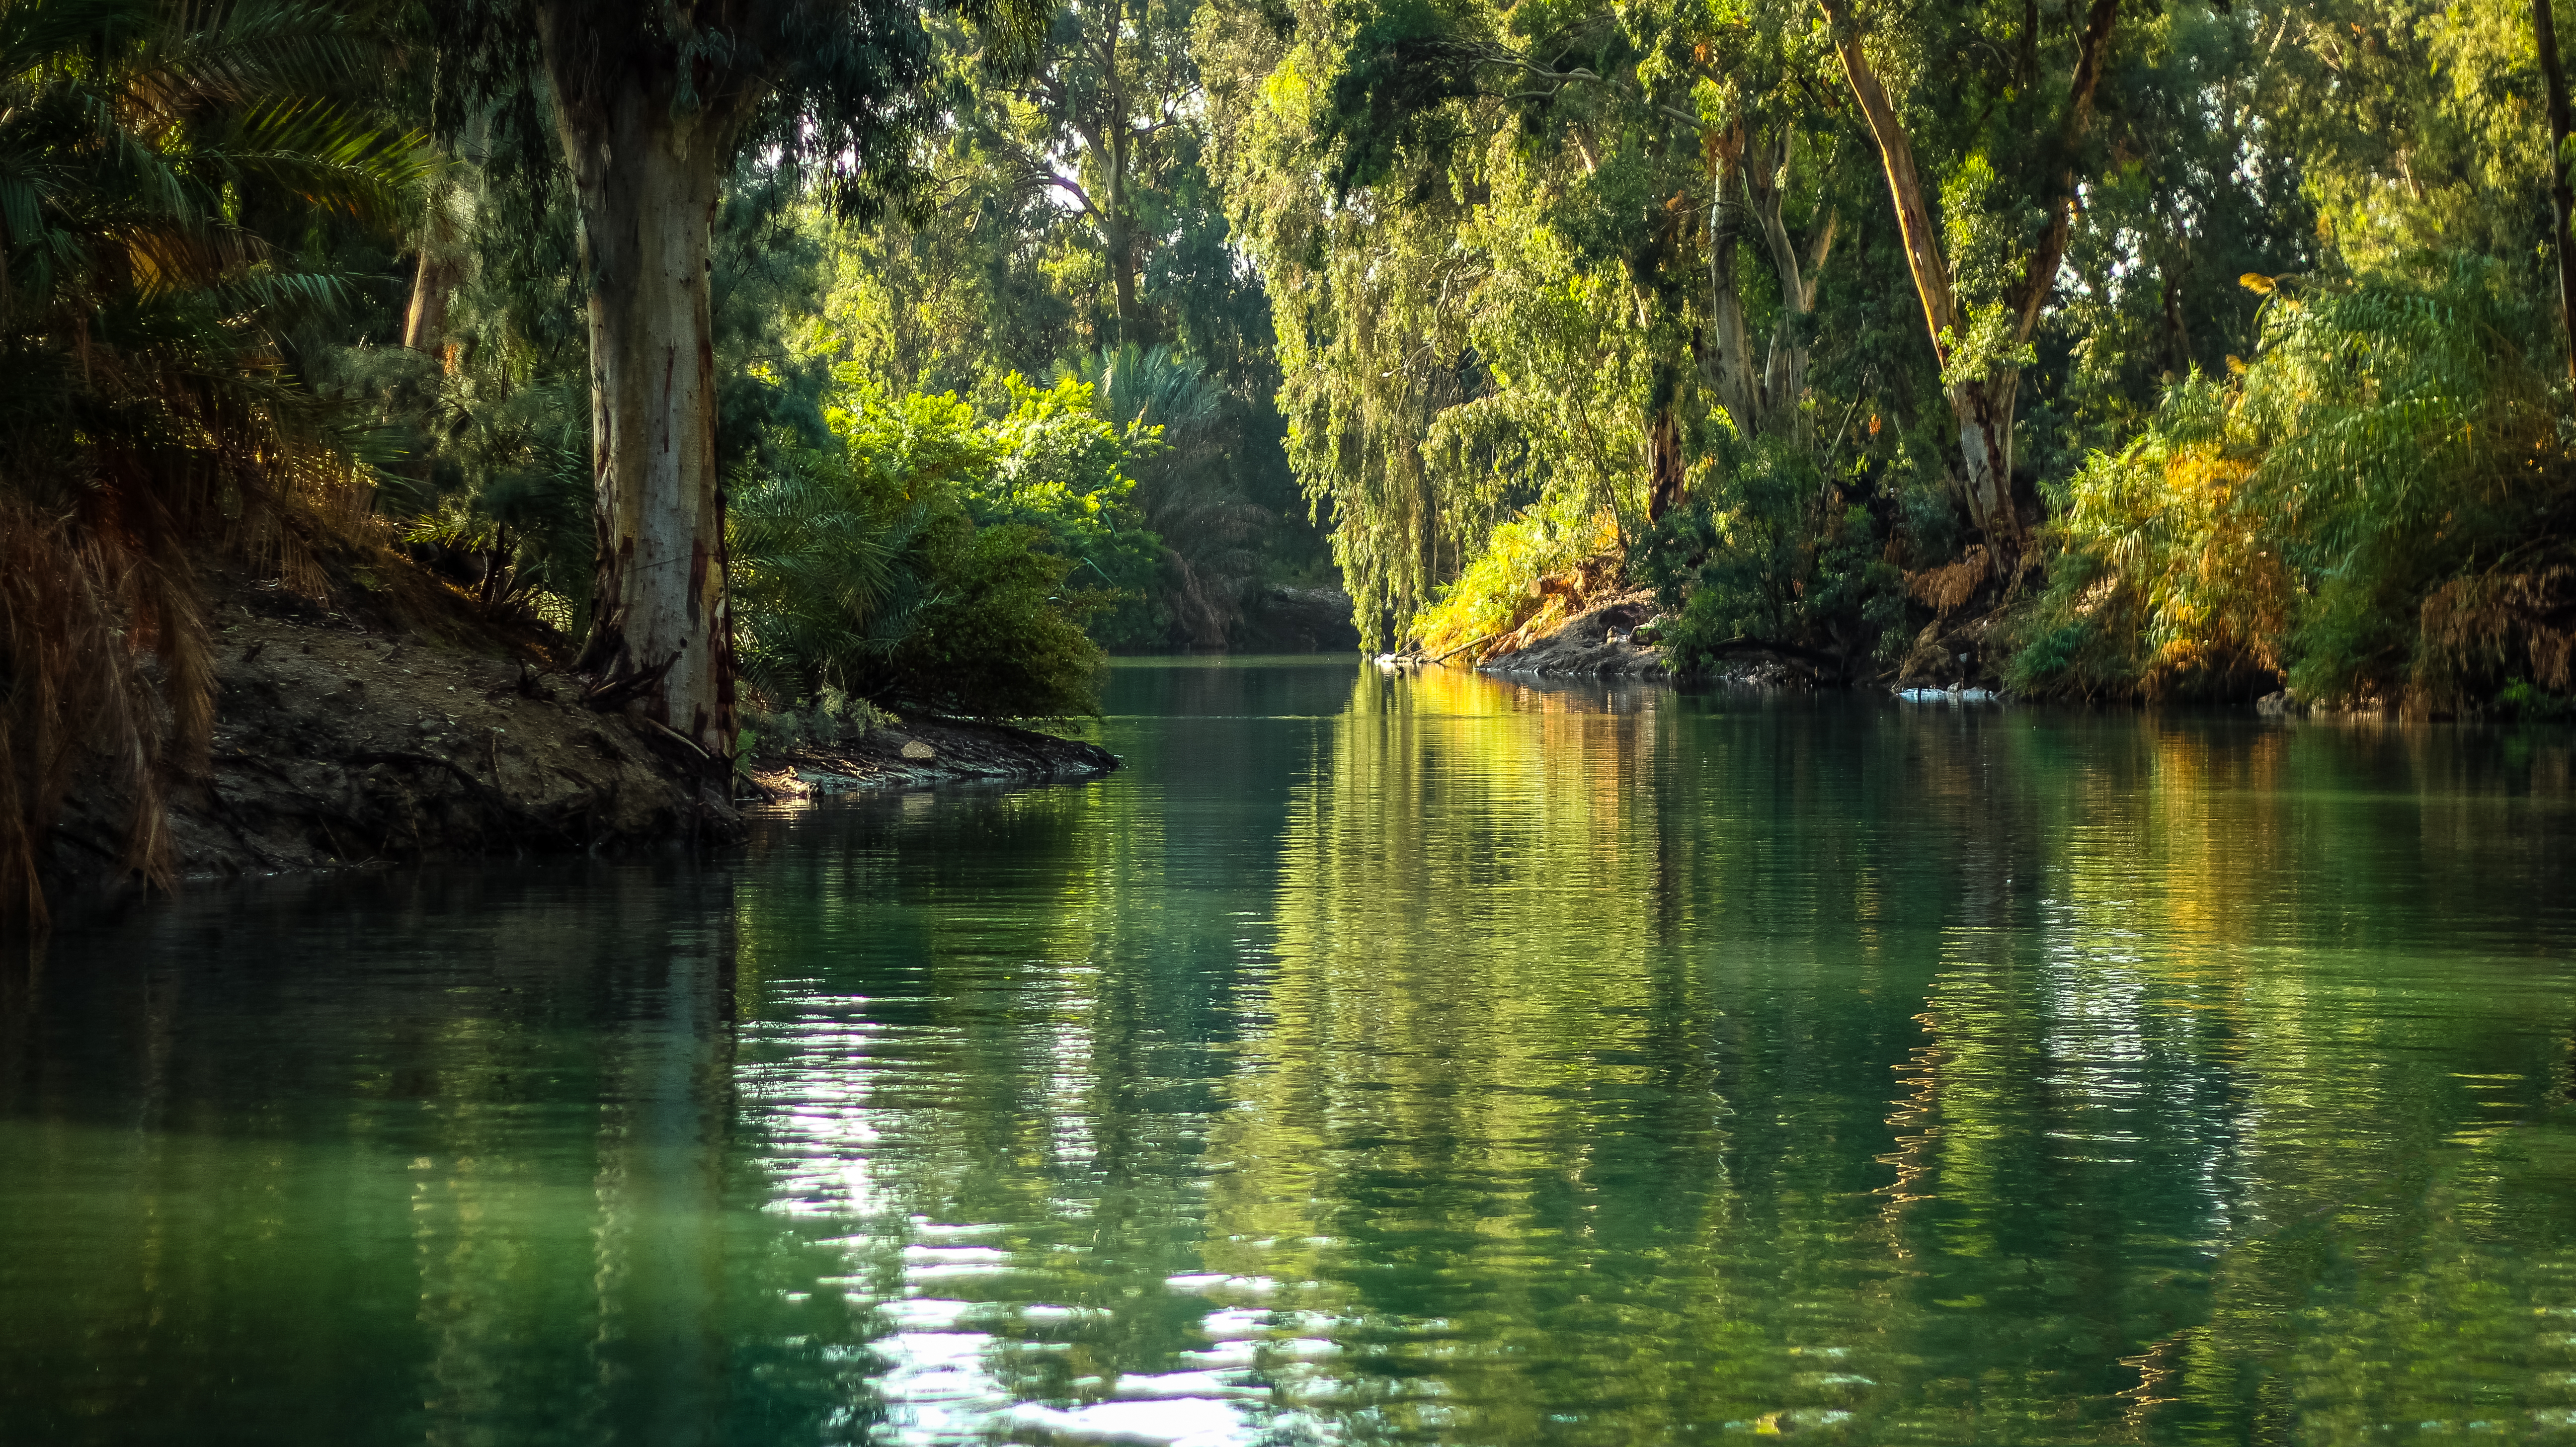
[2562, 198]
[434, 283]
[1122, 278]
[1731, 362]
[1664, 472]
[2040, 278]
[1784, 380]
[2176, 334]
[645, 179]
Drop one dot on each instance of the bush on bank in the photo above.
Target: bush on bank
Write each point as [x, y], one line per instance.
[930, 557]
[2376, 508]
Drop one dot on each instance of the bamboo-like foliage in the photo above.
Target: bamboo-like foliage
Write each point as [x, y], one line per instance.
[825, 579]
[2390, 439]
[149, 411]
[1185, 491]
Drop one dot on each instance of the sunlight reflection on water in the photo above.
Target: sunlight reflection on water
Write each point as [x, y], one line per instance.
[1378, 1058]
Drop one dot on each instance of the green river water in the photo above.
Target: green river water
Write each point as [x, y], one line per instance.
[1375, 1059]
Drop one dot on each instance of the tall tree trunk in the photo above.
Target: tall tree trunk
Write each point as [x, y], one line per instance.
[434, 283]
[1122, 275]
[1983, 447]
[1983, 406]
[2562, 198]
[1731, 349]
[439, 270]
[1664, 471]
[1784, 377]
[2177, 335]
[645, 179]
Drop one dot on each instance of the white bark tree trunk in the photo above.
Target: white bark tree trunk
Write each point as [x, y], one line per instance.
[645, 180]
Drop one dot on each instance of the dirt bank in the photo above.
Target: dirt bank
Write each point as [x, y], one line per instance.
[1594, 643]
[366, 733]
[927, 751]
[1956, 653]
[341, 739]
[1602, 642]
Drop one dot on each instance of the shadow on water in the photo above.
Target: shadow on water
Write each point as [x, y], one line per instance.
[1377, 1058]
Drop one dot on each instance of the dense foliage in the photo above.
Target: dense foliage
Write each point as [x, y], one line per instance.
[2377, 505]
[1763, 291]
[2168, 350]
[928, 556]
[152, 421]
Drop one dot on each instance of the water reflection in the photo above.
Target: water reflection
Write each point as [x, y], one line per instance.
[1378, 1058]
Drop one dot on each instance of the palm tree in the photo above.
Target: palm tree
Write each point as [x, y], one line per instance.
[149, 414]
[1187, 492]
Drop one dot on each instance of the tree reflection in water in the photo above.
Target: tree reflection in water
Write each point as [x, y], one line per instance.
[1378, 1058]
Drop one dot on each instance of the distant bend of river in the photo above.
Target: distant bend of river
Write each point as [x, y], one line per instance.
[1376, 1059]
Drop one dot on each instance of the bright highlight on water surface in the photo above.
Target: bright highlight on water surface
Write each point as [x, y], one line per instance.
[1376, 1058]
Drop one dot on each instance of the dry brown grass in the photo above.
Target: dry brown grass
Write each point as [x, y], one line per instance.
[2486, 618]
[1948, 588]
[107, 675]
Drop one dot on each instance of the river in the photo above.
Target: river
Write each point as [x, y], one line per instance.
[1374, 1059]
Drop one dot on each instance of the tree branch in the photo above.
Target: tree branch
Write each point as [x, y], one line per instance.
[2041, 277]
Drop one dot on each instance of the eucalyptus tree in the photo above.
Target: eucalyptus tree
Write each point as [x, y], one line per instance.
[1106, 121]
[651, 107]
[1506, 245]
[1984, 292]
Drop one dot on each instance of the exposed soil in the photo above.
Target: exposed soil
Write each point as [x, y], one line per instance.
[340, 740]
[371, 733]
[928, 751]
[1961, 652]
[1593, 643]
[1600, 642]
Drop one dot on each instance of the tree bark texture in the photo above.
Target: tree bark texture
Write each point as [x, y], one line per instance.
[1981, 450]
[1767, 402]
[1784, 372]
[1983, 406]
[645, 176]
[434, 283]
[2562, 198]
[1664, 473]
[1730, 347]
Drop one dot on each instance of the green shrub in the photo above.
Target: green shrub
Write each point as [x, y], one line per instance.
[2368, 510]
[1757, 556]
[936, 559]
[1003, 638]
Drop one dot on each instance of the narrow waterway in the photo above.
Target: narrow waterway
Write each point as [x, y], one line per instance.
[1375, 1059]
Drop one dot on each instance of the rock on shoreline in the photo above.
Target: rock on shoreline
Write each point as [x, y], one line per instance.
[1595, 643]
[928, 751]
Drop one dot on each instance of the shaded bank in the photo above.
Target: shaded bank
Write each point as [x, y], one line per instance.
[398, 724]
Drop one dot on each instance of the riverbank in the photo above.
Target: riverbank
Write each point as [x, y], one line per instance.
[396, 726]
[1598, 642]
[399, 724]
[1615, 638]
[922, 752]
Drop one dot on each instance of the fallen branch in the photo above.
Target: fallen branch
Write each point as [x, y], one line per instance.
[677, 737]
[1463, 647]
